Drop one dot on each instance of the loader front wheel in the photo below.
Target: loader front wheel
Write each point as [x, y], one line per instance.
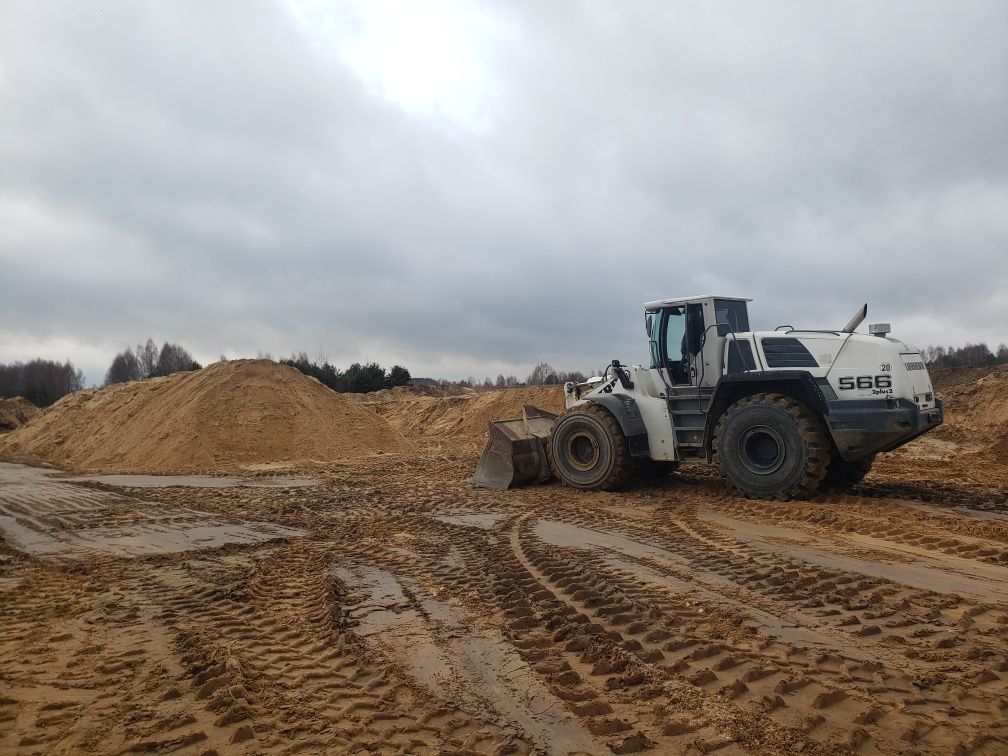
[588, 449]
[771, 447]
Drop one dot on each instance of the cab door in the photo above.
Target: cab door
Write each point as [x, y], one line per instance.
[675, 342]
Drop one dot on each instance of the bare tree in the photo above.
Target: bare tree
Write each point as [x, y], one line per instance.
[500, 382]
[147, 356]
[148, 361]
[125, 367]
[575, 376]
[542, 375]
[173, 359]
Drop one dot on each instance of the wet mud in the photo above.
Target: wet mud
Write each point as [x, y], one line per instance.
[385, 605]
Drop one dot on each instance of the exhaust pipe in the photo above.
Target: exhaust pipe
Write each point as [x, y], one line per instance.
[857, 320]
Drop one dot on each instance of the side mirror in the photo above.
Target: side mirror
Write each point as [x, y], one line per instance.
[649, 323]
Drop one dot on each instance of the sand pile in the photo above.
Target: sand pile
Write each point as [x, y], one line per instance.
[228, 415]
[945, 378]
[15, 412]
[976, 411]
[465, 417]
[411, 392]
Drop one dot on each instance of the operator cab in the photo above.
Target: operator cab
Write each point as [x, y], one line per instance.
[687, 336]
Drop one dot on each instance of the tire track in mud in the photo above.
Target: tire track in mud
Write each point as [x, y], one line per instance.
[594, 664]
[698, 643]
[870, 617]
[286, 629]
[651, 624]
[929, 528]
[805, 587]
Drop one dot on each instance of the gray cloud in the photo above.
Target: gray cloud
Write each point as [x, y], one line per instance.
[230, 177]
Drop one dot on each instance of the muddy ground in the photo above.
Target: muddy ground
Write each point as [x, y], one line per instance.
[386, 605]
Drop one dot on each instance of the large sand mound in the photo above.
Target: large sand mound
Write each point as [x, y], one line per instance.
[230, 414]
[465, 417]
[977, 410]
[15, 412]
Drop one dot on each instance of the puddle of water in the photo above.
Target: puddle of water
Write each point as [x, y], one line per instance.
[960, 512]
[144, 540]
[928, 570]
[193, 481]
[27, 540]
[482, 520]
[565, 534]
[441, 648]
[11, 473]
[137, 540]
[44, 515]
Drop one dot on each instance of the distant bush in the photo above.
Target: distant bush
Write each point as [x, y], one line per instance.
[356, 379]
[398, 376]
[147, 361]
[41, 382]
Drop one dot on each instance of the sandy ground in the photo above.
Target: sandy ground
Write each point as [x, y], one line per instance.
[383, 604]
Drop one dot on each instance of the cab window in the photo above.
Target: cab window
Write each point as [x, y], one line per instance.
[695, 326]
[676, 349]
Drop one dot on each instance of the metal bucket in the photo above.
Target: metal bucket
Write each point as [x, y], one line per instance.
[515, 453]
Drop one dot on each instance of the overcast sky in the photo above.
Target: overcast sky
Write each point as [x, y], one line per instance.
[472, 187]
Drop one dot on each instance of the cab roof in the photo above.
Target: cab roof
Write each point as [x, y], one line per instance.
[660, 303]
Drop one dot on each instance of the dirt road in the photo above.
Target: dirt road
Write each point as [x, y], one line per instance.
[384, 604]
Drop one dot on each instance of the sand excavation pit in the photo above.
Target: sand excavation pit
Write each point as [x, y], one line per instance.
[388, 606]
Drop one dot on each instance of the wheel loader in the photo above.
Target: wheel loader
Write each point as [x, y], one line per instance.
[782, 413]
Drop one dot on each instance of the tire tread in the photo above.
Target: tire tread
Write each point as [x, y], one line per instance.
[813, 434]
[622, 466]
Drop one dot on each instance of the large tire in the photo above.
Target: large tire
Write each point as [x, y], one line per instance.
[587, 449]
[842, 475]
[771, 447]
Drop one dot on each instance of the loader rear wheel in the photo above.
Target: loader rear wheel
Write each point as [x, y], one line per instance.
[842, 475]
[771, 446]
[588, 449]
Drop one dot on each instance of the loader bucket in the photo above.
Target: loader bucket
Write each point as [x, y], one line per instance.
[515, 453]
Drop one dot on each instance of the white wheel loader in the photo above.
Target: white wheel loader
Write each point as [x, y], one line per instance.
[783, 413]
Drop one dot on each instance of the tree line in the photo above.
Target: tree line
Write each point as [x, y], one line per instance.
[970, 355]
[147, 361]
[41, 382]
[356, 379]
[542, 374]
